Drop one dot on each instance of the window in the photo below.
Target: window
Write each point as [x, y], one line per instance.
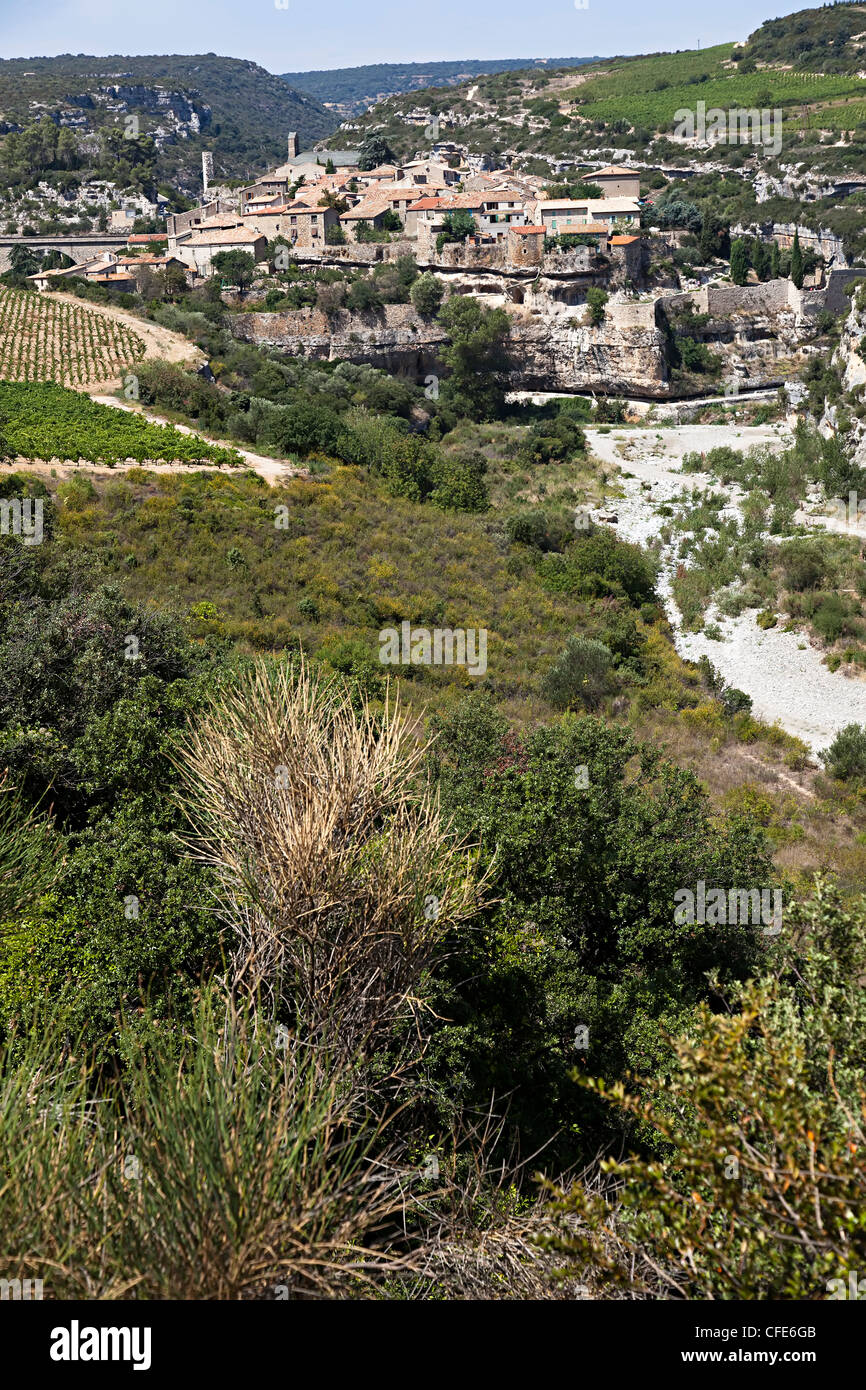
[293, 221]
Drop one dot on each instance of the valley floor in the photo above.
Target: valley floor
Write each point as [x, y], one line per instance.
[785, 676]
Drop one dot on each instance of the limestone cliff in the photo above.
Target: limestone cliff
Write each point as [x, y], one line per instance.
[551, 352]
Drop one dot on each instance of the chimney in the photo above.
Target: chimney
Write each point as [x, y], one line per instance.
[293, 145]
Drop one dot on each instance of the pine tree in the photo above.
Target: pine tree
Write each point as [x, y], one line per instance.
[774, 261]
[739, 262]
[797, 262]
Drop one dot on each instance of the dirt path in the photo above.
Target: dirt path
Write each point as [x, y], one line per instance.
[781, 671]
[159, 342]
[271, 469]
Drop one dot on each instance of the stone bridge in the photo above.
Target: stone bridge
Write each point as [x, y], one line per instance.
[80, 247]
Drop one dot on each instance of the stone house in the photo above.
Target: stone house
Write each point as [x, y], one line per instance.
[373, 207]
[199, 248]
[615, 181]
[132, 264]
[526, 245]
[303, 225]
[103, 264]
[425, 217]
[578, 215]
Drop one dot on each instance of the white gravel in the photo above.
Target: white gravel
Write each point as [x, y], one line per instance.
[783, 674]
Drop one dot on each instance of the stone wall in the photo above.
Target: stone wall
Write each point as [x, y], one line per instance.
[639, 315]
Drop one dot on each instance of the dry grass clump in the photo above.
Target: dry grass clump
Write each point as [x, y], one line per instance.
[337, 878]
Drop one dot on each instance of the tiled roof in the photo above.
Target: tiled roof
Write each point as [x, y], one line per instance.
[527, 231]
[372, 205]
[623, 240]
[227, 237]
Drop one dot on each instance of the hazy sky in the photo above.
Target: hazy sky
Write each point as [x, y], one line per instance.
[343, 33]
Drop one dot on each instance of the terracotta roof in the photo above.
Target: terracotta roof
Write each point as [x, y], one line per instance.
[623, 240]
[148, 260]
[140, 238]
[591, 229]
[469, 201]
[527, 231]
[226, 237]
[611, 170]
[370, 206]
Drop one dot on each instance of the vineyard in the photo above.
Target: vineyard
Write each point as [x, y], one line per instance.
[648, 91]
[44, 339]
[45, 421]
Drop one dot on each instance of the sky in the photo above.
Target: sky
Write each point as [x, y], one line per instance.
[296, 35]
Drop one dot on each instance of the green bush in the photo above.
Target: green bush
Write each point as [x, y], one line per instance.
[427, 294]
[845, 759]
[829, 619]
[582, 675]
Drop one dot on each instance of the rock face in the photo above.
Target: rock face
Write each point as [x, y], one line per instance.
[396, 339]
[625, 355]
[559, 353]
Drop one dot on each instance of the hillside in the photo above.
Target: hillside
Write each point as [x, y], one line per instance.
[630, 104]
[830, 39]
[350, 91]
[187, 103]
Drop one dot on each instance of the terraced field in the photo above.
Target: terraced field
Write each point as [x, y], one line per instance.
[45, 339]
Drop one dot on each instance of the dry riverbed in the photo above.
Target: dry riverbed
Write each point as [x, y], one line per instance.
[785, 675]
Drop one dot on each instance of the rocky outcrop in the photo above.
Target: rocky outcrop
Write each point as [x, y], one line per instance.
[551, 352]
[556, 352]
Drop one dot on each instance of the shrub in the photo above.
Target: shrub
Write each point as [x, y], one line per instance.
[845, 759]
[600, 564]
[330, 298]
[427, 294]
[549, 441]
[803, 565]
[332, 926]
[581, 676]
[596, 299]
[538, 529]
[758, 1120]
[829, 619]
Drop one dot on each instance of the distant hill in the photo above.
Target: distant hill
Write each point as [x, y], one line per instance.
[189, 103]
[350, 91]
[626, 106]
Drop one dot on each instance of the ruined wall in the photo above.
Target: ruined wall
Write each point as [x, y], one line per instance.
[639, 315]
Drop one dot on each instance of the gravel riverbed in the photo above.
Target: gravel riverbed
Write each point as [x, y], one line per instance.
[781, 671]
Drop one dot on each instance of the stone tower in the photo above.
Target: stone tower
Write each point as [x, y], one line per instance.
[293, 145]
[206, 169]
